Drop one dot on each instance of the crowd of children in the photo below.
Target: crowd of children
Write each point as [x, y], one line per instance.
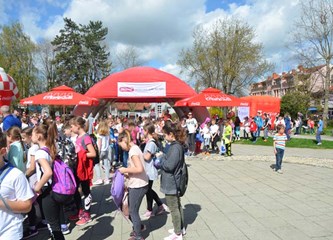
[131, 145]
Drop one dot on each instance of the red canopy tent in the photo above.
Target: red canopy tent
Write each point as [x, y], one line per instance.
[62, 96]
[210, 97]
[141, 84]
[266, 104]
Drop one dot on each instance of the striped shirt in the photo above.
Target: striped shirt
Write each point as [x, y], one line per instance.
[280, 140]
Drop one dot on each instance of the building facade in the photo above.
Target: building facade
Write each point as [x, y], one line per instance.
[303, 79]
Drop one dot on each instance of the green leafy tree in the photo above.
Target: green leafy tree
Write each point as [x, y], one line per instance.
[81, 58]
[95, 52]
[294, 102]
[17, 53]
[224, 57]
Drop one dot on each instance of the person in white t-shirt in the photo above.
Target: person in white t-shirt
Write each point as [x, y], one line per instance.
[137, 180]
[31, 175]
[214, 132]
[15, 197]
[103, 144]
[192, 125]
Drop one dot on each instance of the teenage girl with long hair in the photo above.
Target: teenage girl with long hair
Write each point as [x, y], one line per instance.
[137, 183]
[30, 173]
[171, 163]
[84, 171]
[44, 135]
[149, 152]
[103, 143]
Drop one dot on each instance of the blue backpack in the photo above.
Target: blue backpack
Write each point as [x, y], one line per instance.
[118, 188]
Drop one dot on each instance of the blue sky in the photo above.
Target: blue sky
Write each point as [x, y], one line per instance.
[158, 29]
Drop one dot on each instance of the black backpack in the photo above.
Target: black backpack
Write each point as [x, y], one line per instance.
[94, 143]
[183, 178]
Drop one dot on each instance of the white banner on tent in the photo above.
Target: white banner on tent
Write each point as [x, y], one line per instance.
[243, 112]
[149, 89]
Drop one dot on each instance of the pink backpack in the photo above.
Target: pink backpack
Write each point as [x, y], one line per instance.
[63, 180]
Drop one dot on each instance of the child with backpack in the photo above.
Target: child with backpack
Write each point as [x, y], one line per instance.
[44, 135]
[149, 152]
[84, 171]
[16, 154]
[137, 181]
[171, 163]
[15, 197]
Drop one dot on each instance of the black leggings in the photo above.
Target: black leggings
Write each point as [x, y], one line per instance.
[152, 195]
[32, 214]
[85, 205]
[53, 204]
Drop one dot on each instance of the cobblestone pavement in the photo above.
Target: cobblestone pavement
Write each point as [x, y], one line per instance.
[236, 198]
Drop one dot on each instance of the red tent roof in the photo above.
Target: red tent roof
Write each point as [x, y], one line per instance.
[209, 97]
[61, 96]
[141, 84]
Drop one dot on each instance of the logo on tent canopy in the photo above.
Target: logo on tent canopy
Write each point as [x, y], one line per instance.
[58, 96]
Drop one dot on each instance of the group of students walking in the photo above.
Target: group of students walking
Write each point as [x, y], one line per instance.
[30, 156]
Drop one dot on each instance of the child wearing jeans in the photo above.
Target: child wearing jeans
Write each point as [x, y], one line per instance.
[103, 143]
[279, 143]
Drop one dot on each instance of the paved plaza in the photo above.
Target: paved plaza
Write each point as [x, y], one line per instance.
[235, 199]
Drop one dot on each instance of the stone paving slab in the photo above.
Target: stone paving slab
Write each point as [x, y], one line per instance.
[232, 199]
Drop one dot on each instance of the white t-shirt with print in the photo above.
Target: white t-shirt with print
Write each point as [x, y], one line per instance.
[191, 123]
[39, 155]
[13, 187]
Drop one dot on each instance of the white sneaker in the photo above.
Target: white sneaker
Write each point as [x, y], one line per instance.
[174, 237]
[171, 231]
[279, 171]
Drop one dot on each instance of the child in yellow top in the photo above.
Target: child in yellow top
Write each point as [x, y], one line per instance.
[227, 137]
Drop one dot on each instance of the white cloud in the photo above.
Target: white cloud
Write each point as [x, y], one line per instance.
[160, 29]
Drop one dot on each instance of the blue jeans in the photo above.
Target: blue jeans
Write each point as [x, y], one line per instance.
[318, 137]
[125, 158]
[258, 132]
[266, 132]
[279, 156]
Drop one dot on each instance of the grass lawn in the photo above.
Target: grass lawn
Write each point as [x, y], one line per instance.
[296, 143]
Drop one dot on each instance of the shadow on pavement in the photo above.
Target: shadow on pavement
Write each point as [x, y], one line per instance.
[191, 213]
[100, 230]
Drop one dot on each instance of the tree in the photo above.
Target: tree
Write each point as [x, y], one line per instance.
[127, 58]
[224, 57]
[313, 40]
[46, 67]
[96, 55]
[81, 58]
[17, 57]
[294, 102]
